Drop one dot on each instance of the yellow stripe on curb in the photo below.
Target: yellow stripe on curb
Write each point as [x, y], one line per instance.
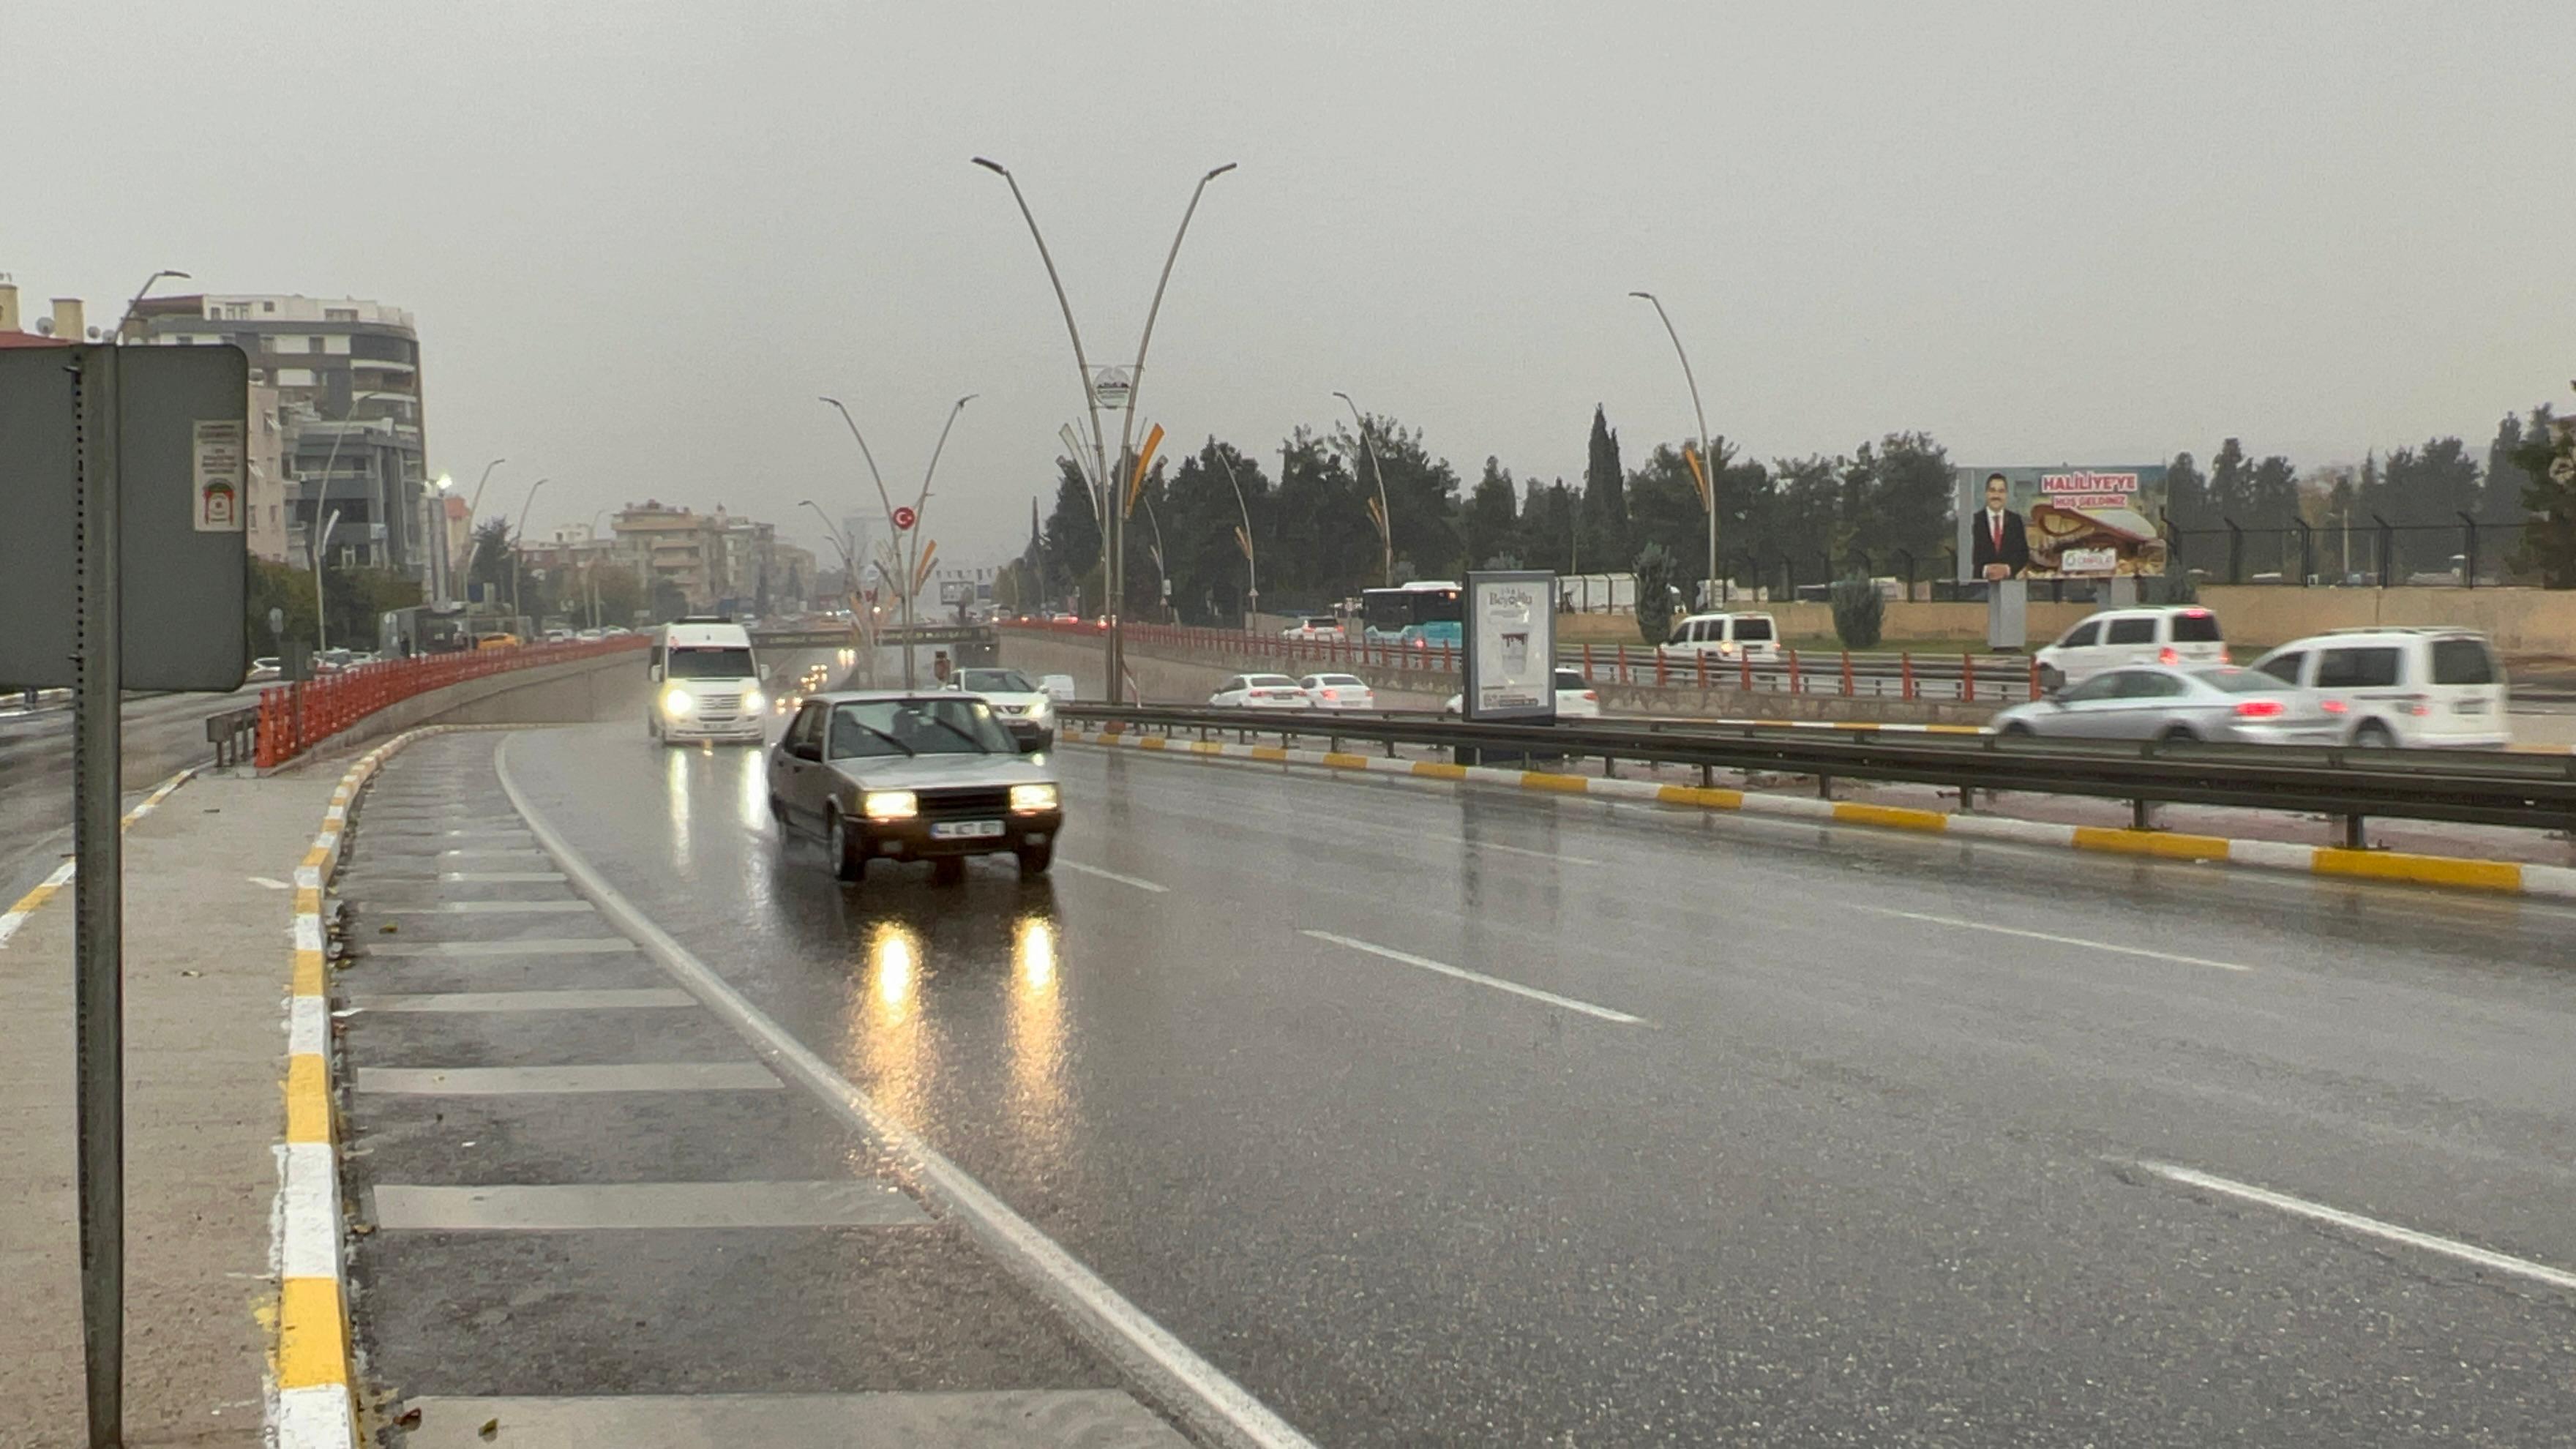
[1347, 762]
[308, 1099]
[1269, 752]
[1152, 742]
[1894, 817]
[2482, 875]
[1206, 747]
[1706, 797]
[308, 973]
[312, 1337]
[1549, 780]
[2165, 843]
[1439, 770]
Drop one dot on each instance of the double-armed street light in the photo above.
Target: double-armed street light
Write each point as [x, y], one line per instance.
[1385, 520]
[1708, 461]
[903, 525]
[518, 541]
[1113, 530]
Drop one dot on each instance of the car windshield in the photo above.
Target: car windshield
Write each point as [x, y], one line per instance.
[870, 728]
[995, 681]
[1570, 679]
[1753, 628]
[709, 664]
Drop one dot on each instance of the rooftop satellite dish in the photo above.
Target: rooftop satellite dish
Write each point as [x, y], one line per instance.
[93, 334]
[44, 326]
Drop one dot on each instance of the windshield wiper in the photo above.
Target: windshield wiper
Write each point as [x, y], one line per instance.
[980, 747]
[881, 734]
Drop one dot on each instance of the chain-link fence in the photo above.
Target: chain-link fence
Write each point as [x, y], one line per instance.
[2364, 553]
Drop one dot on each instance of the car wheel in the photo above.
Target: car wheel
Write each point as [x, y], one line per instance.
[2373, 736]
[842, 850]
[2179, 734]
[1034, 859]
[947, 870]
[786, 827]
[2018, 730]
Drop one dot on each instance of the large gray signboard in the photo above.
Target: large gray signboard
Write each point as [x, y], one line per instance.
[1509, 635]
[176, 420]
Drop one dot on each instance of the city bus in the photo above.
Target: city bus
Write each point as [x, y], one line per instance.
[1423, 614]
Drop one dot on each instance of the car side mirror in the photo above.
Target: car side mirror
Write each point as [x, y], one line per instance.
[806, 750]
[764, 673]
[653, 672]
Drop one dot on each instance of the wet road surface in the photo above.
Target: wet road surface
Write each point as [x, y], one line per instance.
[1435, 1116]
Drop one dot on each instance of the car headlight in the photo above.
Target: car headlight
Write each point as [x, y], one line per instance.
[1032, 799]
[677, 702]
[890, 804]
[1038, 710]
[752, 701]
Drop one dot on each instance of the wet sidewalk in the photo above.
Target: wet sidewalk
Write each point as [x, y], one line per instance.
[208, 912]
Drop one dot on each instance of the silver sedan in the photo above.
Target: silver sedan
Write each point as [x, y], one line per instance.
[2156, 702]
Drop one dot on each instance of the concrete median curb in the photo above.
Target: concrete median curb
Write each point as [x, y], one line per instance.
[2456, 873]
[313, 1373]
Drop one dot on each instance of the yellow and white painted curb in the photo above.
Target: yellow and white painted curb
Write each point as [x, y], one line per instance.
[52, 885]
[2501, 876]
[314, 1377]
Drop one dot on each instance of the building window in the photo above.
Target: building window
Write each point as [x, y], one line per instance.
[268, 306]
[339, 314]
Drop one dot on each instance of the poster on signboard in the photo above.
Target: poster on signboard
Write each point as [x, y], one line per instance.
[2061, 523]
[1510, 646]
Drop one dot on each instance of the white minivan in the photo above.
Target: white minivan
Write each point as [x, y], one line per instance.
[706, 685]
[2178, 635]
[1727, 636]
[2418, 688]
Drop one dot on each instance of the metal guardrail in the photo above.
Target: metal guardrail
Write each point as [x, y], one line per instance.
[844, 636]
[2356, 783]
[234, 734]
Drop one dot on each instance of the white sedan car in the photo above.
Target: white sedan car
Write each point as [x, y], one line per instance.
[1575, 697]
[1259, 691]
[1338, 691]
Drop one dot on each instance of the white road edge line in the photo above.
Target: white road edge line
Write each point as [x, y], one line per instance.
[1125, 880]
[2373, 1227]
[1478, 977]
[1968, 925]
[1198, 1391]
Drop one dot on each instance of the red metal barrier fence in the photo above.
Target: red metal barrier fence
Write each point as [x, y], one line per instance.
[294, 718]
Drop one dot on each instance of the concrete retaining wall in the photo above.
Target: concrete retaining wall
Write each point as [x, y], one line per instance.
[605, 687]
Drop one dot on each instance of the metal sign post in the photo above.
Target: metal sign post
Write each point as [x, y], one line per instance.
[98, 900]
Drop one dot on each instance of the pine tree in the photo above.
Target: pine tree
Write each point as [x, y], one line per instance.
[1605, 499]
[2500, 500]
[1491, 520]
[2231, 486]
[2548, 457]
[2186, 496]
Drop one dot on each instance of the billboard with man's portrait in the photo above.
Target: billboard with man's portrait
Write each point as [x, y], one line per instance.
[2061, 523]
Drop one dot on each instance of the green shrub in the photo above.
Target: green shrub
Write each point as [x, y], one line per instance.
[1860, 613]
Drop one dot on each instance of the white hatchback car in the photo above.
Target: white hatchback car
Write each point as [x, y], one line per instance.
[1338, 691]
[1259, 691]
[2418, 688]
[2180, 636]
[1575, 697]
[1314, 628]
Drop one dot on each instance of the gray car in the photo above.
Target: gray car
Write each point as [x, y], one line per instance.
[2159, 702]
[911, 776]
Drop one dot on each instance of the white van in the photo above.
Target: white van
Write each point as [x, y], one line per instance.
[2419, 688]
[2179, 635]
[1727, 636]
[706, 686]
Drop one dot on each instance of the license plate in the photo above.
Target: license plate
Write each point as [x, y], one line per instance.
[2468, 706]
[965, 829]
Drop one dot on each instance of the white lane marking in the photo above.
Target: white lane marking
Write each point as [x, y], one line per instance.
[1963, 924]
[1478, 977]
[1195, 1389]
[2372, 1227]
[1125, 880]
[275, 885]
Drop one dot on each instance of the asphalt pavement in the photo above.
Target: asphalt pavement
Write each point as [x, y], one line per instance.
[1438, 1116]
[161, 734]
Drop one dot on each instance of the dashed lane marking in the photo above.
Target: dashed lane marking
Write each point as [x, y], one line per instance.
[1479, 978]
[1962, 924]
[2367, 1226]
[1126, 880]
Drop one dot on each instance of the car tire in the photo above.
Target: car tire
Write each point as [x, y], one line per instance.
[844, 852]
[947, 870]
[786, 827]
[2372, 735]
[2017, 730]
[1034, 859]
[2178, 735]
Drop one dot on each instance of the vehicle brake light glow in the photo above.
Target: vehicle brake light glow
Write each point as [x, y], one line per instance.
[1330, 694]
[2168, 655]
[1591, 695]
[2334, 706]
[2195, 613]
[2418, 705]
[2259, 708]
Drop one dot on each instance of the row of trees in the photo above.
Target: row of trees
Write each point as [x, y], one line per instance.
[1885, 507]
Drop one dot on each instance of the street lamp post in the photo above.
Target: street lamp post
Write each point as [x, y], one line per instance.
[1385, 520]
[1114, 569]
[904, 543]
[138, 299]
[1251, 569]
[321, 624]
[1707, 459]
[473, 513]
[518, 538]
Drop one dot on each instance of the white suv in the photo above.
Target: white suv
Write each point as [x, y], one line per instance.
[2420, 688]
[2178, 635]
[1727, 636]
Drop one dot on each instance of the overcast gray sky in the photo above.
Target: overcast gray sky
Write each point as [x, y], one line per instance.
[640, 238]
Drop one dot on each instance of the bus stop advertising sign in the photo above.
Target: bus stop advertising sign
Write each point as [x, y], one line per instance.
[1509, 643]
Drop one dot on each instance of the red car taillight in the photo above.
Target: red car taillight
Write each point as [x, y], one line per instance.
[2169, 655]
[1595, 698]
[1329, 694]
[2259, 708]
[2333, 706]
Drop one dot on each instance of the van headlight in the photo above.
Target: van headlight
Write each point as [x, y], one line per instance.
[677, 702]
[753, 701]
[1032, 799]
[890, 804]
